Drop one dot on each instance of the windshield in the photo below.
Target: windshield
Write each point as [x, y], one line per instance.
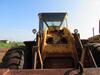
[53, 23]
[52, 19]
[47, 24]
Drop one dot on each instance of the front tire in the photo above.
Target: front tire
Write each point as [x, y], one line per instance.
[14, 58]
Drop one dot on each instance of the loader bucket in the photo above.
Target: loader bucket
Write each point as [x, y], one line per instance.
[87, 71]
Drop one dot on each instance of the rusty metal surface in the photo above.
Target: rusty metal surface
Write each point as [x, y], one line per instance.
[89, 71]
[95, 39]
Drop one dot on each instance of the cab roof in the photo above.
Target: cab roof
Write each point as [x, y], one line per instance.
[52, 16]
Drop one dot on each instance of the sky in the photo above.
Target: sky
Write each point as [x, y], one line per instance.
[19, 17]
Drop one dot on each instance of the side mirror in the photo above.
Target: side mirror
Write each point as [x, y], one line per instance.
[75, 31]
[34, 31]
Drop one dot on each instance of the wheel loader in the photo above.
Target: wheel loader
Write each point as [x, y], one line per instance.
[55, 50]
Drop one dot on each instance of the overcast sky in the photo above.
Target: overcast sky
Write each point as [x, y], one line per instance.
[19, 17]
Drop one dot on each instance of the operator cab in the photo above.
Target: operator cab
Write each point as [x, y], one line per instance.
[52, 21]
[51, 26]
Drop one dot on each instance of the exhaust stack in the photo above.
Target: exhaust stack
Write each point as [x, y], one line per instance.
[93, 31]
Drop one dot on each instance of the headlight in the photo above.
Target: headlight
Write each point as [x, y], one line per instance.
[75, 31]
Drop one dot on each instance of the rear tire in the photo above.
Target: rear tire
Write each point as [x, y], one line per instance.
[14, 58]
[95, 49]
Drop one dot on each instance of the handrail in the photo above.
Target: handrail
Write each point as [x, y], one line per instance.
[92, 58]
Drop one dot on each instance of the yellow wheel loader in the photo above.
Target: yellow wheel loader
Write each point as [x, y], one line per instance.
[55, 50]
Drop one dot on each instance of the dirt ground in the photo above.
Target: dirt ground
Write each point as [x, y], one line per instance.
[2, 53]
